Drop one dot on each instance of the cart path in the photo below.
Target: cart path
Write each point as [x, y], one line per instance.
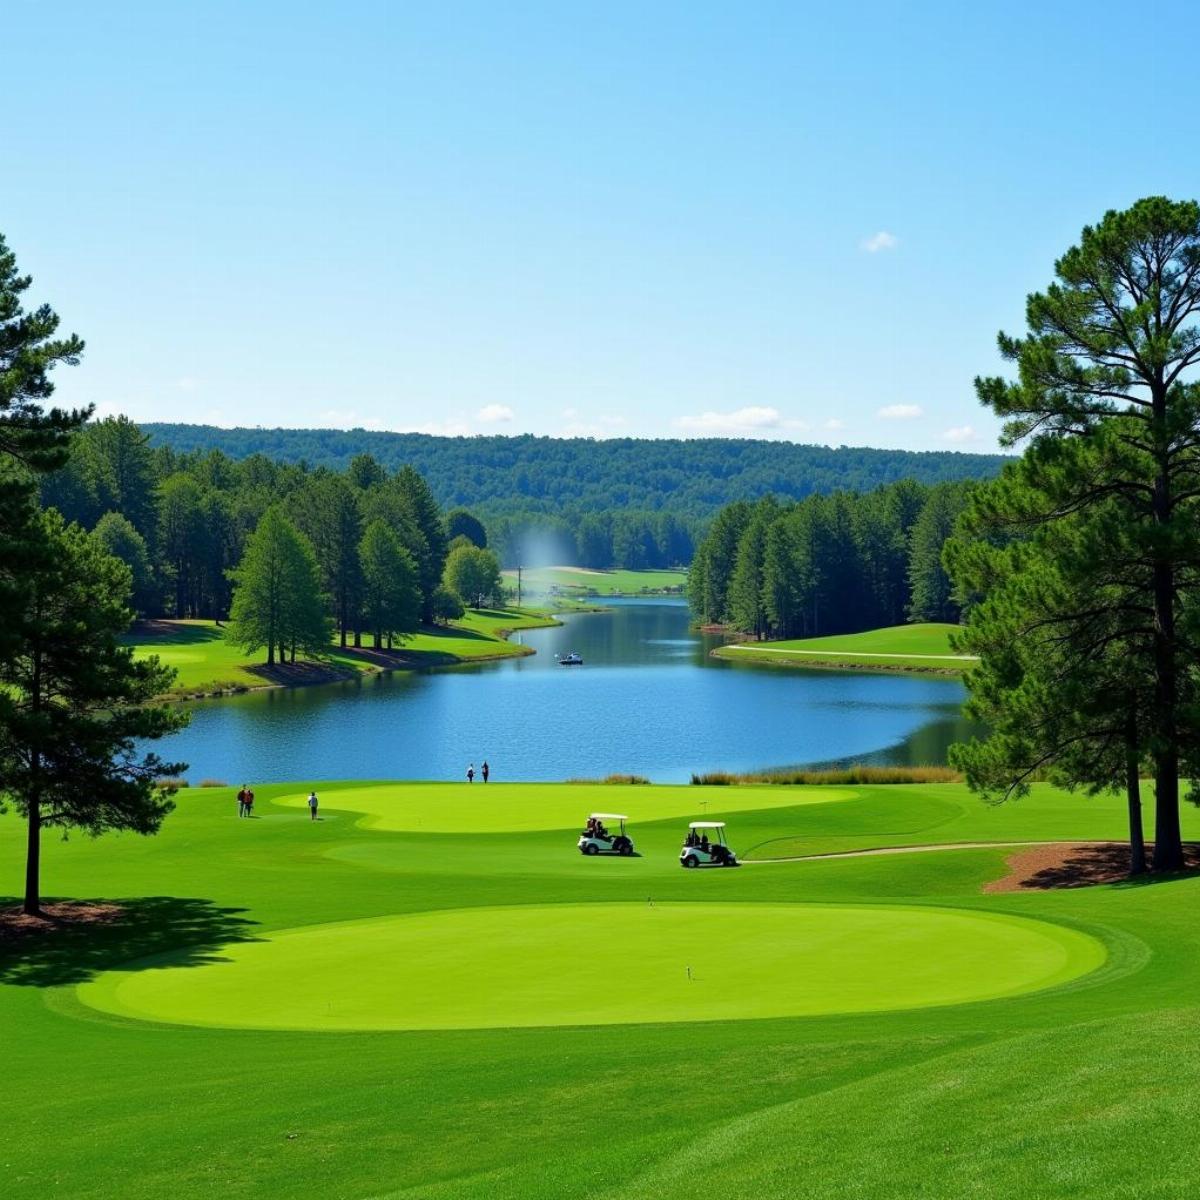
[851, 653]
[929, 847]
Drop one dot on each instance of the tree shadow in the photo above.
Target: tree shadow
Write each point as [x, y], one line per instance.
[1087, 866]
[187, 928]
[175, 633]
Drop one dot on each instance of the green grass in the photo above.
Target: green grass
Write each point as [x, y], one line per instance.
[539, 580]
[579, 1065]
[897, 648]
[524, 968]
[207, 662]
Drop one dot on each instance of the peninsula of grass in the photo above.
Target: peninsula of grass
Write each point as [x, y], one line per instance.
[429, 993]
[207, 663]
[583, 582]
[924, 647]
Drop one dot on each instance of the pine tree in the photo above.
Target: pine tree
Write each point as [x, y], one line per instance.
[1110, 358]
[425, 515]
[74, 703]
[327, 512]
[277, 599]
[932, 591]
[391, 590]
[117, 536]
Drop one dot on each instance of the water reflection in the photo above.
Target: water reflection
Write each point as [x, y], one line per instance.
[648, 700]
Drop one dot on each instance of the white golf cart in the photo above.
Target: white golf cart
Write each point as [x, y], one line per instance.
[598, 838]
[705, 846]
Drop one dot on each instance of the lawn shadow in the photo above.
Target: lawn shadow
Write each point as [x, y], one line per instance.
[1052, 867]
[71, 952]
[175, 633]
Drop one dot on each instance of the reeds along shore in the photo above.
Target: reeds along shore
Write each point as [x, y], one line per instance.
[859, 773]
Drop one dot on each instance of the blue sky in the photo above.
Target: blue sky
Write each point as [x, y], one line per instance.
[607, 219]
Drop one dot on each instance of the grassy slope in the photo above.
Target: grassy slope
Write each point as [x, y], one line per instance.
[898, 648]
[1085, 1090]
[206, 662]
[603, 583]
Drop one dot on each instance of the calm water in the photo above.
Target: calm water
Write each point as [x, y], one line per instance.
[648, 700]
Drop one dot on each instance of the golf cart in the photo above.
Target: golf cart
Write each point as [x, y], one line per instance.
[705, 846]
[597, 838]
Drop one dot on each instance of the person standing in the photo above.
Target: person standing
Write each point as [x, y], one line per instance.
[242, 801]
[471, 773]
[312, 806]
[249, 801]
[485, 770]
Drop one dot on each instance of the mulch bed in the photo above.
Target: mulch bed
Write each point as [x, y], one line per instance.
[16, 925]
[1045, 868]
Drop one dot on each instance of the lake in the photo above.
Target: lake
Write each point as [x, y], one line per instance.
[648, 701]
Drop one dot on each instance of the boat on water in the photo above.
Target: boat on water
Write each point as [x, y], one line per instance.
[570, 660]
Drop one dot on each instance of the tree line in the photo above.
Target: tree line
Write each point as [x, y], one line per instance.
[358, 552]
[572, 495]
[829, 564]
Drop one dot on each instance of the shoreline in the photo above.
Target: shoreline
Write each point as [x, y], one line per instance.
[833, 663]
[375, 662]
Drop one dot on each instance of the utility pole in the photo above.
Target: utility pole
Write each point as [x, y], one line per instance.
[518, 585]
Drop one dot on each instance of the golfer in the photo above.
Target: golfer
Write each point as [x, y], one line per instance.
[485, 771]
[242, 801]
[471, 773]
[249, 801]
[312, 806]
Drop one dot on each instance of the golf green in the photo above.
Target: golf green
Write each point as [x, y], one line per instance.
[603, 964]
[525, 807]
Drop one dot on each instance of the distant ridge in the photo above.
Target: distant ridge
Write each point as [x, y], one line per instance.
[526, 473]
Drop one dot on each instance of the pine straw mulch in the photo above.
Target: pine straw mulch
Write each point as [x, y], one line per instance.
[16, 925]
[1080, 864]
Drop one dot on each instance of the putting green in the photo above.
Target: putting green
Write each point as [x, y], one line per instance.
[603, 964]
[524, 807]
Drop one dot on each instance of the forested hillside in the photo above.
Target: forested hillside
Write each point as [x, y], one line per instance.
[500, 476]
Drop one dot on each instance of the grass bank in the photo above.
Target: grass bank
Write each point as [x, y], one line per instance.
[580, 581]
[207, 663]
[429, 993]
[923, 648]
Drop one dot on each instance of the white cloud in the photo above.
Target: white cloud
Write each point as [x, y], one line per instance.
[879, 241]
[604, 426]
[752, 420]
[833, 423]
[961, 433]
[900, 412]
[348, 418]
[187, 383]
[492, 414]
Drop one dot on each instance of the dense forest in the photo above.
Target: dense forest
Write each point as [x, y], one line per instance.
[623, 501]
[366, 549]
[829, 564]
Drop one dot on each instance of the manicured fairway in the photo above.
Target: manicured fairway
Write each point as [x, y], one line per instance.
[601, 583]
[899, 647]
[293, 1009]
[605, 964]
[522, 807]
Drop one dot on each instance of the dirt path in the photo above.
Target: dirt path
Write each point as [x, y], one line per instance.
[929, 847]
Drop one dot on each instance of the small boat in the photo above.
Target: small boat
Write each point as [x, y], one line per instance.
[570, 660]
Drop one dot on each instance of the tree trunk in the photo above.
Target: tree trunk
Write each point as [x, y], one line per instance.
[33, 861]
[270, 654]
[1168, 837]
[1133, 791]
